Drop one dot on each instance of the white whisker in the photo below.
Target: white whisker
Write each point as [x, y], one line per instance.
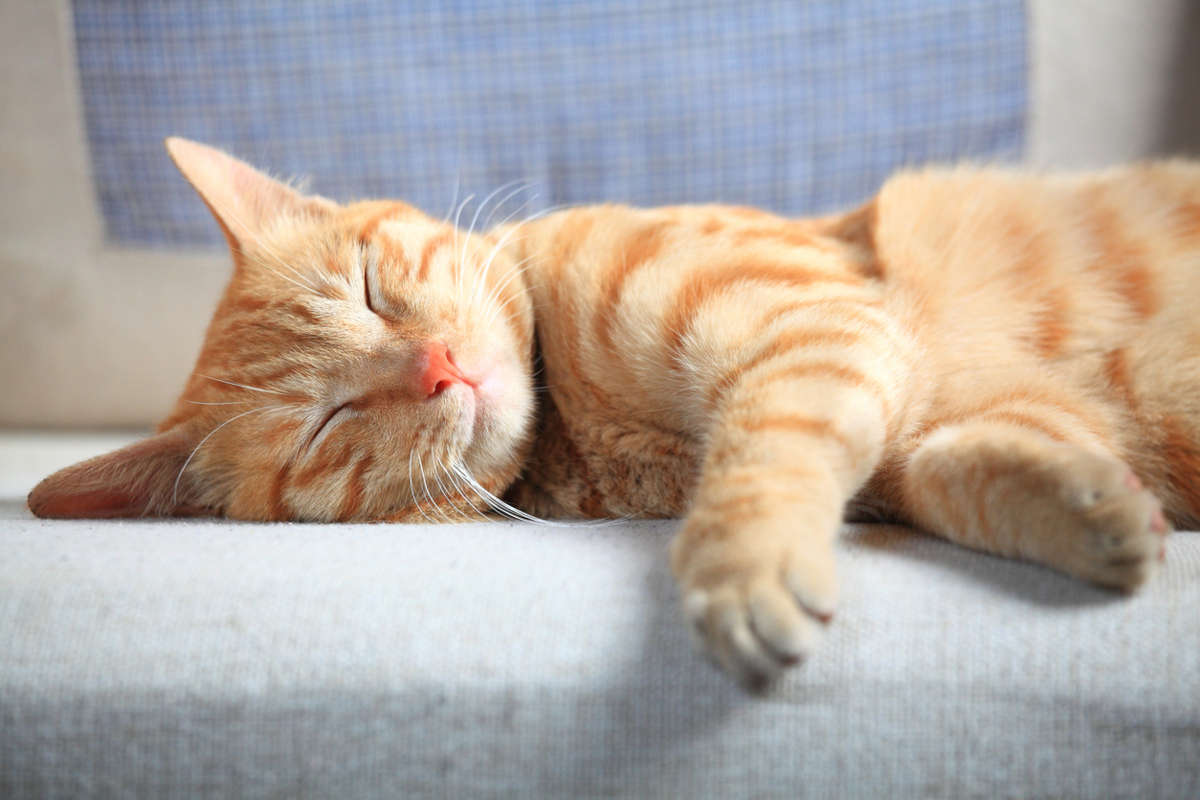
[263, 245]
[457, 216]
[449, 495]
[214, 403]
[239, 385]
[412, 489]
[477, 490]
[196, 449]
[492, 256]
[433, 506]
[518, 268]
[497, 310]
[491, 302]
[481, 278]
[515, 513]
[461, 491]
[454, 197]
[277, 273]
[479, 209]
[487, 224]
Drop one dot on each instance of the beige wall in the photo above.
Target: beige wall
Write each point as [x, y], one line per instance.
[90, 335]
[1113, 80]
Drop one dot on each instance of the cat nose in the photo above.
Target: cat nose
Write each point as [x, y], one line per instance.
[439, 372]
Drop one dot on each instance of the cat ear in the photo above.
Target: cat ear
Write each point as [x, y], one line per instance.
[243, 200]
[137, 480]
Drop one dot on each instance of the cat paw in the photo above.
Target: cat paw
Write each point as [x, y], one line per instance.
[754, 616]
[1119, 527]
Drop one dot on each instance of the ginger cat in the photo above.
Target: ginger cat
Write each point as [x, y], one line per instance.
[1007, 360]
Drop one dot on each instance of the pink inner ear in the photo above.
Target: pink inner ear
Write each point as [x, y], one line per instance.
[98, 503]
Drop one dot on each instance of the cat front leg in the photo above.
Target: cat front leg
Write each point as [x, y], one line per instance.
[755, 556]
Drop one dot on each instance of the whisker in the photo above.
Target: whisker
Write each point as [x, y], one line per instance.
[277, 258]
[239, 385]
[445, 495]
[519, 268]
[221, 403]
[454, 198]
[196, 449]
[457, 217]
[461, 491]
[517, 514]
[495, 502]
[501, 511]
[519, 227]
[433, 506]
[496, 307]
[412, 489]
[438, 483]
[277, 273]
[492, 255]
[481, 282]
[479, 209]
[524, 185]
[424, 484]
[262, 244]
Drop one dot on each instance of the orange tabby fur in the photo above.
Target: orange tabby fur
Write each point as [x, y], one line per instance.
[1005, 359]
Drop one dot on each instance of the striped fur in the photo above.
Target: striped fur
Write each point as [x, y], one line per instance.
[1005, 359]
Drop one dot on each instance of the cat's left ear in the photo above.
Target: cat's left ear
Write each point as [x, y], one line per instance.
[142, 479]
[243, 200]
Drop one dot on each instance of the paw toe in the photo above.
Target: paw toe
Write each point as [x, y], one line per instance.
[725, 634]
[784, 630]
[752, 630]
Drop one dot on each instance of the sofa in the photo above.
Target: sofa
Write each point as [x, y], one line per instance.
[213, 658]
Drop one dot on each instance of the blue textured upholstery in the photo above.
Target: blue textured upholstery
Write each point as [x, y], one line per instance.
[794, 106]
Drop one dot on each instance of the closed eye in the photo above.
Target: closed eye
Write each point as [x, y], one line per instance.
[392, 306]
[328, 422]
[367, 288]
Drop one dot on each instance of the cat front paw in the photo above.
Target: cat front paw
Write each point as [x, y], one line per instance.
[754, 607]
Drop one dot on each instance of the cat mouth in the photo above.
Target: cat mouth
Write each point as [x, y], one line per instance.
[485, 392]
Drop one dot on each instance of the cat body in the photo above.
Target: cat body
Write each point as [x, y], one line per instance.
[1005, 359]
[1064, 303]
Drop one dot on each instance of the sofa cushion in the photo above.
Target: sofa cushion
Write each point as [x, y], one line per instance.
[208, 658]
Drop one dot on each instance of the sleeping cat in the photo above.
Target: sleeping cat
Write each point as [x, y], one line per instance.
[1008, 360]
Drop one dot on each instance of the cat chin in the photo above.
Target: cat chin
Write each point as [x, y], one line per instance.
[501, 410]
[491, 397]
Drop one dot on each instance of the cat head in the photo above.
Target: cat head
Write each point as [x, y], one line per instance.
[365, 362]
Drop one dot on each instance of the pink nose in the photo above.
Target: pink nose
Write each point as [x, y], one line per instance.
[440, 372]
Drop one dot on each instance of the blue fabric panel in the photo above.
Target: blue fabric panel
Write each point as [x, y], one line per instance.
[793, 106]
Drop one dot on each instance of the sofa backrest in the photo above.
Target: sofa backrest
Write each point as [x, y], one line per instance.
[112, 266]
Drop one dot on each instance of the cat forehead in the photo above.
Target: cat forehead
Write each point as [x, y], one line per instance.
[364, 219]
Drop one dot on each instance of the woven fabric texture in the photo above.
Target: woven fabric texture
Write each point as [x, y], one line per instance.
[198, 659]
[796, 107]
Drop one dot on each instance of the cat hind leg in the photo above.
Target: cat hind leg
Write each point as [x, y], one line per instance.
[1004, 488]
